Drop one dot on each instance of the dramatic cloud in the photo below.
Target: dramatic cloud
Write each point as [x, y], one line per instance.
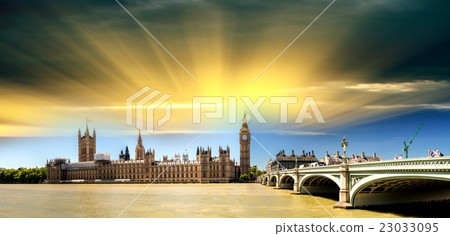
[408, 106]
[404, 87]
[64, 60]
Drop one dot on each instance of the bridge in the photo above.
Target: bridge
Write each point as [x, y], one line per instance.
[370, 183]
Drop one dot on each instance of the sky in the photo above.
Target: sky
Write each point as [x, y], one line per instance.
[376, 69]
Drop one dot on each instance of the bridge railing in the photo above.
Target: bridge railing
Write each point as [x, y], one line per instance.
[418, 162]
[331, 168]
[389, 164]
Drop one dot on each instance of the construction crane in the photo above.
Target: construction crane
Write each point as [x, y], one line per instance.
[406, 149]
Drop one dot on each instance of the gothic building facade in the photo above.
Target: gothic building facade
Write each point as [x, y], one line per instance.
[86, 146]
[98, 167]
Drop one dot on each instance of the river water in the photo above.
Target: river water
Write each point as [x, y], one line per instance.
[179, 200]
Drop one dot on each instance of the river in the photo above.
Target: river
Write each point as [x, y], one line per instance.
[182, 200]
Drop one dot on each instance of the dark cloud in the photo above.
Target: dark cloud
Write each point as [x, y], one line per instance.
[404, 42]
[386, 40]
[433, 62]
[49, 8]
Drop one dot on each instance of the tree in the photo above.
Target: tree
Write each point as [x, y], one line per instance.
[43, 174]
[244, 177]
[24, 175]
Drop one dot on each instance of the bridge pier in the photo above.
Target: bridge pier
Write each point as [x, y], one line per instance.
[296, 190]
[344, 193]
[296, 183]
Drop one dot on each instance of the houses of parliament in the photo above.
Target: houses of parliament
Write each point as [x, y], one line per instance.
[98, 167]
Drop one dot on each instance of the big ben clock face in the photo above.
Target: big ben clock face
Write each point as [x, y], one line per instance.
[244, 137]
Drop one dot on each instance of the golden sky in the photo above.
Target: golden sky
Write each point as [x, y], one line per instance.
[63, 62]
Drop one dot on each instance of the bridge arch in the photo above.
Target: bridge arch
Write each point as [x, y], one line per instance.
[273, 180]
[319, 183]
[397, 188]
[287, 181]
[265, 179]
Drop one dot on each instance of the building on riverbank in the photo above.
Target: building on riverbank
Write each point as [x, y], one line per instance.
[283, 161]
[99, 167]
[336, 159]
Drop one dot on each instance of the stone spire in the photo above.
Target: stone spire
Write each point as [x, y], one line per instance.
[139, 139]
[127, 154]
[244, 120]
[140, 150]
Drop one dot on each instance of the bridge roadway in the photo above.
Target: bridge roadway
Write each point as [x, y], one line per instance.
[370, 183]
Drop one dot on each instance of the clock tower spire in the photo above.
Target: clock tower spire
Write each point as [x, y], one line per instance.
[244, 144]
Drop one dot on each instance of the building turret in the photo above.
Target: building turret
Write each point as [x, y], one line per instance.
[185, 157]
[121, 156]
[140, 150]
[127, 154]
[224, 154]
[177, 157]
[204, 154]
[86, 146]
[149, 157]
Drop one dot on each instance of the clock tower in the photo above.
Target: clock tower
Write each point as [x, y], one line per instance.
[244, 143]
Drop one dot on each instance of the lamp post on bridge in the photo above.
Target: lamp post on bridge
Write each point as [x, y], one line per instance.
[344, 192]
[344, 145]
